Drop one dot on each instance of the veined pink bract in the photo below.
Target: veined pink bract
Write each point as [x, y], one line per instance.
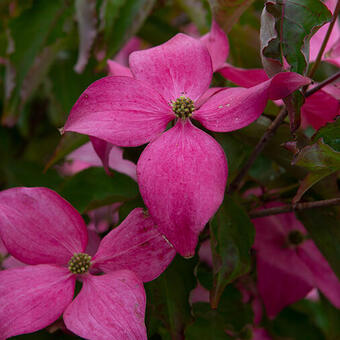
[182, 173]
[41, 229]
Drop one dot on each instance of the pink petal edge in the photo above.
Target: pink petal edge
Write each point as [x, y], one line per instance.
[136, 245]
[234, 108]
[32, 297]
[182, 177]
[109, 306]
[181, 66]
[38, 226]
[120, 110]
[217, 44]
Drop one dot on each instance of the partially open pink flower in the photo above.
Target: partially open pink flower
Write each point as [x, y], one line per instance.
[182, 173]
[41, 229]
[86, 156]
[289, 265]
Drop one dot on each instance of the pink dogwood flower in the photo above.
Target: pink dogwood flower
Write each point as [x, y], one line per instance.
[41, 229]
[182, 173]
[289, 265]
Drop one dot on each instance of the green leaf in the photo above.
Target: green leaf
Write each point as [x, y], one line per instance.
[318, 157]
[330, 134]
[236, 152]
[232, 315]
[93, 188]
[287, 25]
[291, 324]
[273, 150]
[37, 27]
[232, 235]
[65, 85]
[311, 179]
[168, 298]
[207, 328]
[24, 173]
[197, 13]
[68, 143]
[122, 19]
[227, 12]
[294, 104]
[323, 225]
[331, 317]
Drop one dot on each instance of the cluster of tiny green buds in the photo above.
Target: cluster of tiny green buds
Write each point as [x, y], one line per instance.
[183, 107]
[295, 237]
[79, 263]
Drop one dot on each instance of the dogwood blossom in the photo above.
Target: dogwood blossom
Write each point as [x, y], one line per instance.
[182, 173]
[289, 265]
[41, 229]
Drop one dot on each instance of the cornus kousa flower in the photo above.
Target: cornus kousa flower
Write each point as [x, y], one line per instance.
[182, 173]
[289, 265]
[41, 229]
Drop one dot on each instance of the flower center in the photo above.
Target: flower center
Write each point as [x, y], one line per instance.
[183, 107]
[295, 237]
[79, 263]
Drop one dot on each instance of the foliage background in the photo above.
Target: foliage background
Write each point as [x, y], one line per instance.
[50, 51]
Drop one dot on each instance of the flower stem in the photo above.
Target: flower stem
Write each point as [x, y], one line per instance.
[325, 40]
[322, 84]
[290, 207]
[236, 184]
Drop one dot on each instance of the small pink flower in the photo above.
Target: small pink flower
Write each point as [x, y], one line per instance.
[289, 265]
[41, 229]
[87, 156]
[182, 173]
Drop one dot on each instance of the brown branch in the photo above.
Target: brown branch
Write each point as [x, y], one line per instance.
[322, 84]
[236, 184]
[291, 207]
[325, 40]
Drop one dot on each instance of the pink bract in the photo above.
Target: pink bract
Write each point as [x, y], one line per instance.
[87, 156]
[131, 111]
[44, 231]
[287, 272]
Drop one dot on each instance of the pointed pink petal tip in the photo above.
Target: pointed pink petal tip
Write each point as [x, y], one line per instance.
[32, 297]
[38, 226]
[120, 110]
[116, 69]
[109, 306]
[136, 245]
[180, 66]
[182, 177]
[217, 44]
[234, 108]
